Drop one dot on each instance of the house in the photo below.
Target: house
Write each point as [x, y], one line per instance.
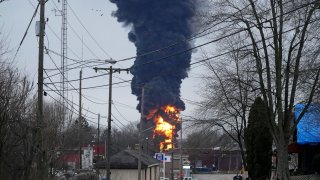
[306, 139]
[124, 165]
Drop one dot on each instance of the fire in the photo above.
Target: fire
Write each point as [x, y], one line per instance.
[166, 120]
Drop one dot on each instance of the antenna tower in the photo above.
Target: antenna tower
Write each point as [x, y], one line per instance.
[64, 60]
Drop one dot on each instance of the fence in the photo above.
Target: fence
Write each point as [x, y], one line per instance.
[306, 177]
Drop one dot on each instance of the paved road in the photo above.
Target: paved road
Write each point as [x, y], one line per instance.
[213, 176]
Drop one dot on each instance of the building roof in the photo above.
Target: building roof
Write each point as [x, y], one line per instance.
[128, 159]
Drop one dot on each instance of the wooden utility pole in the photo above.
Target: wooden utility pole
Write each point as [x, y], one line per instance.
[41, 153]
[180, 167]
[172, 176]
[140, 134]
[98, 141]
[111, 71]
[80, 118]
[98, 144]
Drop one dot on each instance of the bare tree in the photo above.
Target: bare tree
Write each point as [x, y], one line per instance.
[230, 90]
[17, 122]
[15, 118]
[124, 138]
[282, 36]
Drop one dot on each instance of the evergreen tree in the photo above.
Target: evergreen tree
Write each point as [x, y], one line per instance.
[258, 142]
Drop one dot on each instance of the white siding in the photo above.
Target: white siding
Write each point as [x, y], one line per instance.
[151, 173]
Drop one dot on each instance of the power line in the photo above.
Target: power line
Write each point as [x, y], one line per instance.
[71, 85]
[118, 120]
[80, 62]
[87, 117]
[74, 88]
[215, 40]
[26, 32]
[71, 103]
[77, 68]
[77, 35]
[69, 82]
[117, 126]
[82, 42]
[226, 36]
[125, 105]
[203, 60]
[73, 12]
[196, 36]
[120, 113]
[54, 33]
[69, 68]
[98, 86]
[90, 77]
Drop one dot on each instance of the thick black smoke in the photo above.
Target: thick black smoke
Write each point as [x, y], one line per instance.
[157, 24]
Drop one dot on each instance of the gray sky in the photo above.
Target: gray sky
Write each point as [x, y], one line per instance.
[96, 17]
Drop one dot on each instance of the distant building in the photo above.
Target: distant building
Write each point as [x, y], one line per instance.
[69, 158]
[124, 165]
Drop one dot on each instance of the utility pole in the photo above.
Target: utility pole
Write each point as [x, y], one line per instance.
[140, 135]
[111, 71]
[80, 117]
[41, 154]
[172, 176]
[180, 167]
[98, 143]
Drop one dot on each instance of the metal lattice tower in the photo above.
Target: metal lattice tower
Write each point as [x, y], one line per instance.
[64, 60]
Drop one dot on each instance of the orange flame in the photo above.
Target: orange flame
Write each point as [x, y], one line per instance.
[166, 129]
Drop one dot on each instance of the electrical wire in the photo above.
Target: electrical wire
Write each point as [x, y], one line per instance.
[72, 103]
[124, 105]
[69, 103]
[72, 85]
[118, 126]
[76, 62]
[89, 77]
[98, 86]
[207, 58]
[55, 34]
[58, 73]
[73, 12]
[57, 68]
[26, 32]
[117, 120]
[81, 40]
[203, 60]
[77, 35]
[87, 118]
[120, 112]
[195, 36]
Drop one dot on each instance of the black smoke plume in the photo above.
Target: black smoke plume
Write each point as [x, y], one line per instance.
[156, 24]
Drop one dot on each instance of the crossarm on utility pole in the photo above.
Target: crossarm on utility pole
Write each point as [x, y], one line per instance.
[111, 71]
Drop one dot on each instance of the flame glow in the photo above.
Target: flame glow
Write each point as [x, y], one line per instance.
[166, 120]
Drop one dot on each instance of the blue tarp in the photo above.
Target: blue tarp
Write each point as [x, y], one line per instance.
[308, 129]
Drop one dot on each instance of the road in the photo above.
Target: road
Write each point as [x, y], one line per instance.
[213, 176]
